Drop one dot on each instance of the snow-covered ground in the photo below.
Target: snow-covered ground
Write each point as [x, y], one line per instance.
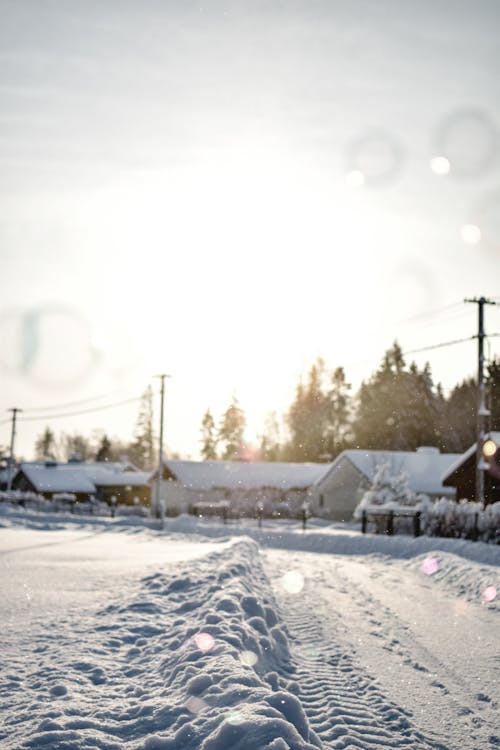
[116, 634]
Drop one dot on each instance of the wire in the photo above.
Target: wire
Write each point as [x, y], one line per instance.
[69, 403]
[431, 313]
[77, 413]
[439, 346]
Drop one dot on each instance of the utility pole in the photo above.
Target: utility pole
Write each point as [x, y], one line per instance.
[482, 411]
[160, 508]
[14, 411]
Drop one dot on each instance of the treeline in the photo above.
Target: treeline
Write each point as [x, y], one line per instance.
[142, 451]
[398, 408]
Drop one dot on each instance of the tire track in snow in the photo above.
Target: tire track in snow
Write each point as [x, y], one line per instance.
[344, 706]
[466, 712]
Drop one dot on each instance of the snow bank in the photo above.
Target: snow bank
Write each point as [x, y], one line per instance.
[196, 659]
[341, 539]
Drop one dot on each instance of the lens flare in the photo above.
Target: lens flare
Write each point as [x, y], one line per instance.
[489, 594]
[249, 658]
[196, 705]
[489, 448]
[355, 178]
[204, 641]
[373, 158]
[234, 718]
[440, 165]
[430, 565]
[293, 582]
[471, 234]
[469, 140]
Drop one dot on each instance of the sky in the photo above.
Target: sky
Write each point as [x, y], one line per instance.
[225, 191]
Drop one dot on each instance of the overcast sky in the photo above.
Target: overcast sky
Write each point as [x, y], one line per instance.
[224, 191]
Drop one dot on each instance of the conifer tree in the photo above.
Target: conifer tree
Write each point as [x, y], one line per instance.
[318, 418]
[458, 428]
[45, 445]
[398, 408]
[76, 446]
[231, 430]
[208, 437]
[270, 442]
[339, 412]
[142, 449]
[104, 450]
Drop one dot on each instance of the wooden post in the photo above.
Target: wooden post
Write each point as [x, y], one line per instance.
[390, 523]
[363, 522]
[475, 533]
[416, 523]
[259, 516]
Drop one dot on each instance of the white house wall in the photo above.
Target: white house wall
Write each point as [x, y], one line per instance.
[179, 499]
[337, 495]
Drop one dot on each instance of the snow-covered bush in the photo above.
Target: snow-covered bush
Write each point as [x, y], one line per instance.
[463, 520]
[388, 489]
[22, 498]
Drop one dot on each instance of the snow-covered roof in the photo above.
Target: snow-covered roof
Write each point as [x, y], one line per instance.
[204, 475]
[104, 474]
[52, 476]
[424, 467]
[53, 479]
[463, 457]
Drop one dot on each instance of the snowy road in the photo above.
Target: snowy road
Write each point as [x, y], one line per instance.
[125, 638]
[433, 654]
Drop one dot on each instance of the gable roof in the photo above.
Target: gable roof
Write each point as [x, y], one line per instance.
[424, 467]
[464, 457]
[205, 475]
[52, 479]
[52, 476]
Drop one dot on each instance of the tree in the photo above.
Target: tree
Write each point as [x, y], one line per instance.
[318, 418]
[307, 418]
[209, 437]
[231, 430]
[104, 450]
[142, 448]
[45, 445]
[459, 429]
[76, 446]
[398, 408]
[339, 411]
[270, 442]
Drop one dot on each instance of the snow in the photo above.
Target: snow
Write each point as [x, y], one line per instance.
[203, 475]
[82, 477]
[119, 634]
[424, 467]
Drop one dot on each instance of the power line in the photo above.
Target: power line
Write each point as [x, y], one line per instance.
[450, 343]
[431, 313]
[440, 345]
[69, 403]
[427, 348]
[78, 413]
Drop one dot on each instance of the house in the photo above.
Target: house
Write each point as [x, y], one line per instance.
[336, 494]
[461, 475]
[186, 484]
[101, 480]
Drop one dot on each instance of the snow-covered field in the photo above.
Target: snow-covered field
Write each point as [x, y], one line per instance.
[119, 635]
